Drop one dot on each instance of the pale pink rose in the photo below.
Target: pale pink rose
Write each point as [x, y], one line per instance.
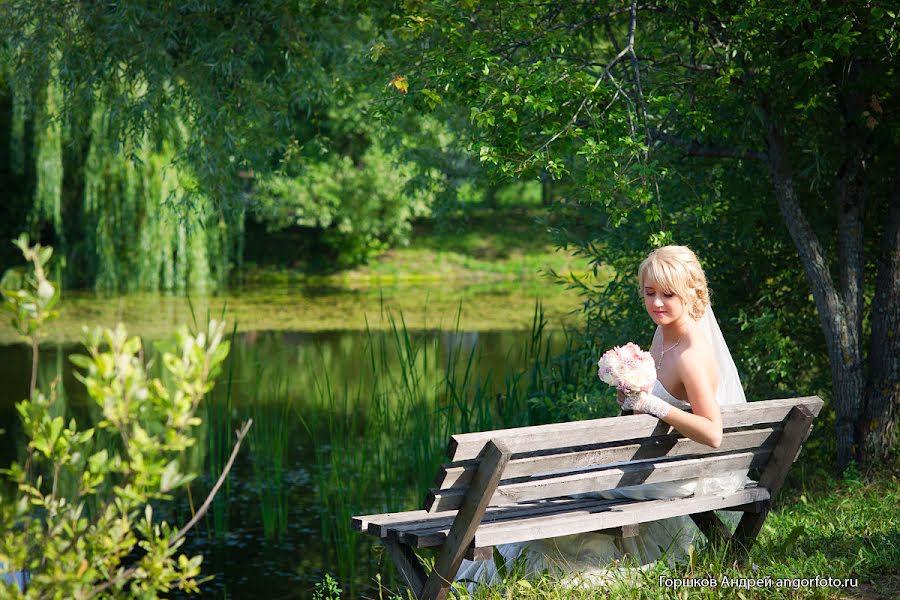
[627, 367]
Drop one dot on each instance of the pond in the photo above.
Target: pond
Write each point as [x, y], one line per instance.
[353, 393]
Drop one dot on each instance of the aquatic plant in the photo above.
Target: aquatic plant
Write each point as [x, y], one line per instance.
[79, 517]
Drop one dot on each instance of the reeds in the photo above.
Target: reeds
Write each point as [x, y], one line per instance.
[269, 441]
[378, 444]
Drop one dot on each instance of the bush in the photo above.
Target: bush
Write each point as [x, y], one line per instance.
[78, 516]
[363, 208]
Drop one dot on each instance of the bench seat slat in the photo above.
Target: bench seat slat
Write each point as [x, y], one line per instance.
[364, 522]
[459, 474]
[378, 525]
[516, 511]
[467, 446]
[583, 520]
[594, 480]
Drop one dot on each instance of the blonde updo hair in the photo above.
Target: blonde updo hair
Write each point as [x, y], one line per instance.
[676, 270]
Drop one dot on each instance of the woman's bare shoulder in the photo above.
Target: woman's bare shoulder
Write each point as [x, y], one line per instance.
[698, 358]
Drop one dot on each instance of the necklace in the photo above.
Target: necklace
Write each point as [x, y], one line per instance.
[663, 351]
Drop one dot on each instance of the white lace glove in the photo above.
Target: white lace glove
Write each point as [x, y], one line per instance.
[646, 403]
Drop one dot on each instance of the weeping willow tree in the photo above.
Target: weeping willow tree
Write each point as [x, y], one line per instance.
[134, 234]
[124, 207]
[48, 160]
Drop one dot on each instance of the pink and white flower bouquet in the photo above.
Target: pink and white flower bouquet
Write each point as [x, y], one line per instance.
[628, 368]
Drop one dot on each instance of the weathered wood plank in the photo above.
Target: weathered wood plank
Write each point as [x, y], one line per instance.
[435, 533]
[639, 512]
[363, 522]
[596, 431]
[595, 480]
[626, 512]
[377, 524]
[796, 429]
[408, 564]
[420, 519]
[493, 460]
[673, 445]
[404, 532]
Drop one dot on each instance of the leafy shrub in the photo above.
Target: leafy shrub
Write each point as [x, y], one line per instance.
[363, 207]
[77, 516]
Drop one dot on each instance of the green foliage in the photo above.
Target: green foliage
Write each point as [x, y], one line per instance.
[48, 157]
[28, 295]
[78, 516]
[663, 141]
[242, 75]
[327, 589]
[364, 206]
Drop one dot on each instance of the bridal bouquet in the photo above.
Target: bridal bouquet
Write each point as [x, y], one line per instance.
[628, 368]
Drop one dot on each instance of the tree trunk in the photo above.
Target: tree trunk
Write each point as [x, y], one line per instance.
[841, 333]
[878, 431]
[546, 189]
[851, 198]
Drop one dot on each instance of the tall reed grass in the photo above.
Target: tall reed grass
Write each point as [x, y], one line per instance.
[269, 443]
[378, 445]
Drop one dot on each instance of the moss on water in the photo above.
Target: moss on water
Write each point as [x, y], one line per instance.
[302, 306]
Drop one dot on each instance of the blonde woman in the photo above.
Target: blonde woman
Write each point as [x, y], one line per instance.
[694, 370]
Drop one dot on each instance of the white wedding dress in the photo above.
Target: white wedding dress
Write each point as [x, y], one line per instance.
[589, 558]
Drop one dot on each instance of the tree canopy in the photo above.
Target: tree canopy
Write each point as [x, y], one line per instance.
[699, 122]
[763, 134]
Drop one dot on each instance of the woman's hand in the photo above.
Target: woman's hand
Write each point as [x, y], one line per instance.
[642, 402]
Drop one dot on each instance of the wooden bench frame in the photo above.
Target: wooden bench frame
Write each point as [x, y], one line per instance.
[516, 484]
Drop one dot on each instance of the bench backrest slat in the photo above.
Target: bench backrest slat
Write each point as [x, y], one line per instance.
[670, 445]
[557, 460]
[604, 478]
[467, 446]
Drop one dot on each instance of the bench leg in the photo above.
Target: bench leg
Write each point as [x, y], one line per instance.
[796, 430]
[620, 534]
[712, 527]
[462, 533]
[407, 563]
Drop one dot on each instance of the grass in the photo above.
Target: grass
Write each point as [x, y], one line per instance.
[269, 443]
[827, 528]
[501, 244]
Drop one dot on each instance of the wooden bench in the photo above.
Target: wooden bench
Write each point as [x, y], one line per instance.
[511, 485]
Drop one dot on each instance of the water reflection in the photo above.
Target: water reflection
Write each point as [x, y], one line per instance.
[346, 422]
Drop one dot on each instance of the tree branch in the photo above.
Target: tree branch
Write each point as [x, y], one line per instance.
[696, 149]
[212, 493]
[509, 49]
[124, 575]
[606, 73]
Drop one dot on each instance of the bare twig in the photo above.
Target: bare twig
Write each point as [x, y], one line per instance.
[606, 73]
[124, 575]
[509, 50]
[212, 493]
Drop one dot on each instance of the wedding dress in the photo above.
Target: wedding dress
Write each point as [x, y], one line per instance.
[588, 558]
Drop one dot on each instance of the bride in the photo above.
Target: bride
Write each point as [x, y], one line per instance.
[694, 370]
